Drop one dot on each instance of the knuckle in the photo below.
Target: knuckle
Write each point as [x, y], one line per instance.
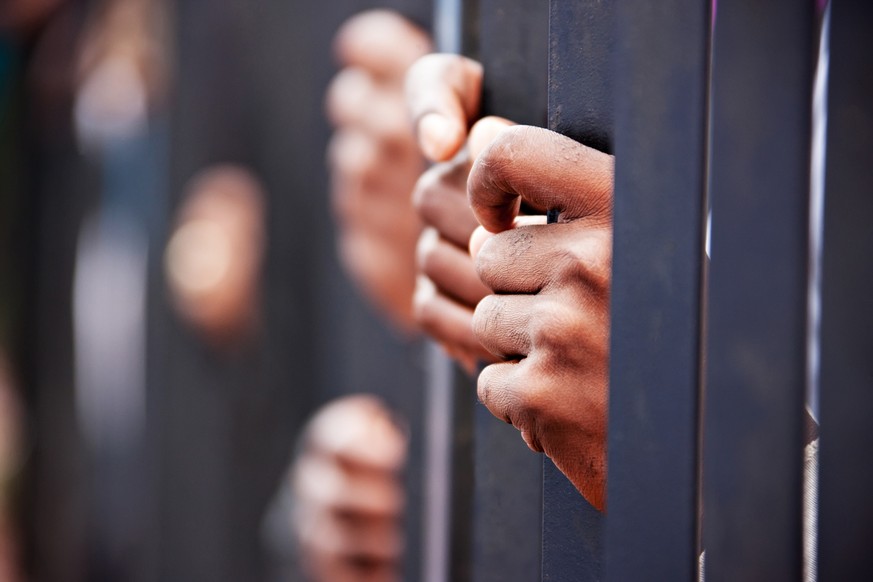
[586, 261]
[427, 251]
[423, 303]
[493, 393]
[496, 261]
[554, 328]
[353, 156]
[487, 318]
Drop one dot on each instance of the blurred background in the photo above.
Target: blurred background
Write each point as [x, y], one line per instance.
[171, 305]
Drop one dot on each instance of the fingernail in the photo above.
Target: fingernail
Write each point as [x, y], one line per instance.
[438, 135]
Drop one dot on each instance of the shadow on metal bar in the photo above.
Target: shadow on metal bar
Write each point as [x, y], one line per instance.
[846, 512]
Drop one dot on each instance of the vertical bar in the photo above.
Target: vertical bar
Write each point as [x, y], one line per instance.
[580, 106]
[846, 511]
[448, 529]
[507, 517]
[661, 60]
[753, 424]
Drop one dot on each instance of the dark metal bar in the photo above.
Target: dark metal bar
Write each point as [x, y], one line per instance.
[846, 511]
[580, 106]
[581, 45]
[507, 517]
[661, 59]
[753, 423]
[572, 531]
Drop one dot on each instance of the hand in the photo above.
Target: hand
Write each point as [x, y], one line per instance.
[348, 495]
[549, 318]
[443, 96]
[448, 287]
[373, 160]
[214, 256]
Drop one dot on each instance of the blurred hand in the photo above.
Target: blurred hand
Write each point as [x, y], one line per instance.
[548, 320]
[213, 259]
[373, 159]
[348, 496]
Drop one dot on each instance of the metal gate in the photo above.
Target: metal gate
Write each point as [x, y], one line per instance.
[713, 360]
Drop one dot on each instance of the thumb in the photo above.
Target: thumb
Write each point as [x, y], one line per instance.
[546, 171]
[443, 92]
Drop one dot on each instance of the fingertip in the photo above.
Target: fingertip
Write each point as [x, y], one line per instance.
[484, 132]
[381, 41]
[439, 137]
[479, 237]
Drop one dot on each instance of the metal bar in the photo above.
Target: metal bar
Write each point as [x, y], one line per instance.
[507, 515]
[580, 106]
[753, 423]
[661, 60]
[846, 512]
[448, 525]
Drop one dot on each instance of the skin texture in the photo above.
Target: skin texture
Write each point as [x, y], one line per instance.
[373, 160]
[348, 493]
[547, 321]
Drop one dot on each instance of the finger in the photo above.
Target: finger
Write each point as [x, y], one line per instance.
[440, 197]
[450, 269]
[468, 361]
[531, 258]
[354, 152]
[325, 567]
[381, 42]
[321, 482]
[354, 155]
[545, 170]
[359, 430]
[505, 391]
[484, 132]
[442, 96]
[384, 271]
[477, 239]
[365, 192]
[500, 323]
[445, 320]
[480, 235]
[366, 539]
[354, 99]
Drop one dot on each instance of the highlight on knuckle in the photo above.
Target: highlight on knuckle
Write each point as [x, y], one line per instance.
[554, 327]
